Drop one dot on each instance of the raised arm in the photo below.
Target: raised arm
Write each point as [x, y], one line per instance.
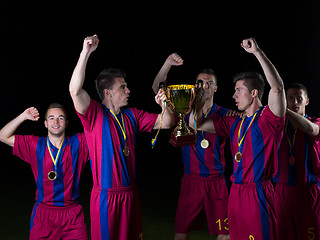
[173, 60]
[276, 99]
[80, 97]
[7, 132]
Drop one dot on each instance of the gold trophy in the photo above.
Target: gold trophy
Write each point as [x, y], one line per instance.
[180, 99]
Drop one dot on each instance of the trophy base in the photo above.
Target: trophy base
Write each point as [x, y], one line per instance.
[178, 141]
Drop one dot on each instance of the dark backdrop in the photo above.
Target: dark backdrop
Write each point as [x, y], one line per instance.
[40, 45]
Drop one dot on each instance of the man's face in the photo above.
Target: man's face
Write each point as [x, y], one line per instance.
[242, 96]
[297, 100]
[209, 85]
[56, 121]
[120, 92]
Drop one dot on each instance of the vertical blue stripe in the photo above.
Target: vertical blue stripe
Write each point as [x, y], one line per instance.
[185, 151]
[311, 177]
[133, 125]
[58, 184]
[200, 152]
[34, 211]
[41, 147]
[107, 152]
[257, 151]
[104, 217]
[74, 147]
[263, 212]
[292, 170]
[218, 165]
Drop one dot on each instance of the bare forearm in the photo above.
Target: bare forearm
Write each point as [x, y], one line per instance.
[161, 76]
[79, 96]
[303, 123]
[78, 76]
[270, 71]
[7, 132]
[276, 99]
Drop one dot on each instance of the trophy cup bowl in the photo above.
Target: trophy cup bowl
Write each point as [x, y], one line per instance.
[181, 97]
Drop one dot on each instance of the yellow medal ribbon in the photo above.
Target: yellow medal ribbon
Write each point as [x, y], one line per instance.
[54, 160]
[122, 126]
[245, 133]
[154, 140]
[291, 144]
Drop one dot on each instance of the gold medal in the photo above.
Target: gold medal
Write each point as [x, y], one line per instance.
[52, 175]
[204, 143]
[126, 150]
[238, 156]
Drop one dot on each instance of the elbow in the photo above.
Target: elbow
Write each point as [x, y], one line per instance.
[73, 92]
[279, 88]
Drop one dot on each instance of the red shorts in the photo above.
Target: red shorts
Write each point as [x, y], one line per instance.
[201, 196]
[51, 222]
[251, 211]
[298, 211]
[115, 214]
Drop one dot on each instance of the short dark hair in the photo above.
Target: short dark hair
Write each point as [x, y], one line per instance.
[209, 71]
[56, 105]
[252, 80]
[297, 86]
[105, 79]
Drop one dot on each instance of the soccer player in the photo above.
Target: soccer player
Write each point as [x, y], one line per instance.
[204, 188]
[111, 131]
[297, 190]
[57, 162]
[255, 141]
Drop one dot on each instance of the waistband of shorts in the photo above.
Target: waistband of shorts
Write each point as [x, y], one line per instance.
[253, 185]
[58, 208]
[120, 189]
[199, 178]
[306, 185]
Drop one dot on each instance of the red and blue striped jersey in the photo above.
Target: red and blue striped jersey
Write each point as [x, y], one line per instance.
[259, 148]
[64, 190]
[209, 162]
[110, 167]
[299, 164]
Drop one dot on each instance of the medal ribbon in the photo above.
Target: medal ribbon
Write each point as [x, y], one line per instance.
[122, 126]
[54, 160]
[154, 140]
[291, 144]
[245, 133]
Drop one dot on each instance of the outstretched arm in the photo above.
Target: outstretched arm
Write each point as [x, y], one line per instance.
[80, 97]
[173, 60]
[7, 132]
[197, 120]
[302, 123]
[276, 99]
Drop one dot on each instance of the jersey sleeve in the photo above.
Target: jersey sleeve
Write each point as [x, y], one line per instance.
[25, 147]
[222, 124]
[88, 118]
[145, 120]
[83, 147]
[270, 121]
[316, 121]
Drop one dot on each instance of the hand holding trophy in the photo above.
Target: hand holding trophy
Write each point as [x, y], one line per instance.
[181, 98]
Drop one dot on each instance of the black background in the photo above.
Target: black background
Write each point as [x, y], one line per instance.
[40, 45]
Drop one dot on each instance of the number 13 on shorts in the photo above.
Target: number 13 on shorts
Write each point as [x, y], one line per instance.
[225, 224]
